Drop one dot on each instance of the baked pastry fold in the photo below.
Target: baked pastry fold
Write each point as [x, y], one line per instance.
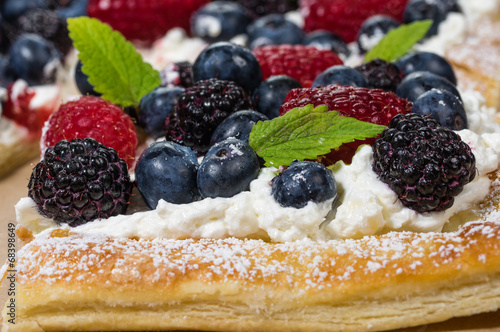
[74, 282]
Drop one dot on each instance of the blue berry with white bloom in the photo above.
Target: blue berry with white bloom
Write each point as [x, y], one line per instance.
[72, 8]
[274, 29]
[303, 182]
[443, 107]
[271, 94]
[339, 74]
[426, 61]
[418, 10]
[12, 9]
[326, 40]
[34, 59]
[417, 83]
[166, 170]
[227, 169]
[373, 30]
[220, 21]
[237, 125]
[155, 108]
[82, 81]
[230, 62]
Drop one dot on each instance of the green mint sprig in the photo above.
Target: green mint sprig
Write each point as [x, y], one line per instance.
[399, 41]
[115, 68]
[306, 133]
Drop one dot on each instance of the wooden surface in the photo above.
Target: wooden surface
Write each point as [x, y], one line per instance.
[14, 187]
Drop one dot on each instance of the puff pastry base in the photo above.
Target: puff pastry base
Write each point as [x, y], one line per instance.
[15, 155]
[70, 282]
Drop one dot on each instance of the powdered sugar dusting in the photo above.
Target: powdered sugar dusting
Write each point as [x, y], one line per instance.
[307, 264]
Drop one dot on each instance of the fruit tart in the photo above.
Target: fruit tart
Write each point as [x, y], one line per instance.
[345, 207]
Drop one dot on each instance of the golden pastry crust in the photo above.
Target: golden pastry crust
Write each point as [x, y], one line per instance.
[73, 282]
[475, 61]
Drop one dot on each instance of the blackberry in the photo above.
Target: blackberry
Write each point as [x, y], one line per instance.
[200, 109]
[79, 181]
[47, 24]
[424, 163]
[177, 74]
[380, 74]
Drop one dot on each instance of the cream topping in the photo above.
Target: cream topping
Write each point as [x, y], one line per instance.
[366, 207]
[173, 47]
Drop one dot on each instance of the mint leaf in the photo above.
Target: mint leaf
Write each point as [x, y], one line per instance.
[399, 41]
[113, 65]
[306, 133]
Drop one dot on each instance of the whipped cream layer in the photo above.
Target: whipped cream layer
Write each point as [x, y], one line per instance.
[175, 46]
[366, 206]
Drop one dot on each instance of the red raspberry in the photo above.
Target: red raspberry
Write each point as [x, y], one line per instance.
[95, 118]
[302, 63]
[370, 105]
[144, 20]
[344, 17]
[20, 108]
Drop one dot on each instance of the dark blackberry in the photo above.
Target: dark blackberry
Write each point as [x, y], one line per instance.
[424, 163]
[380, 74]
[201, 108]
[47, 24]
[80, 181]
[263, 7]
[177, 74]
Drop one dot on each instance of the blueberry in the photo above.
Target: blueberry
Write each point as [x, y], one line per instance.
[303, 182]
[82, 81]
[415, 84]
[443, 107]
[166, 170]
[339, 74]
[237, 125]
[418, 10]
[373, 30]
[155, 107]
[72, 8]
[227, 169]
[5, 76]
[12, 9]
[326, 40]
[451, 6]
[426, 61]
[34, 59]
[274, 29]
[271, 94]
[4, 38]
[230, 62]
[219, 21]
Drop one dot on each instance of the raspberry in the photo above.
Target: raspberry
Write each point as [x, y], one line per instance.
[80, 181]
[370, 105]
[18, 106]
[144, 21]
[201, 108]
[424, 163]
[96, 118]
[345, 17]
[300, 62]
[380, 74]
